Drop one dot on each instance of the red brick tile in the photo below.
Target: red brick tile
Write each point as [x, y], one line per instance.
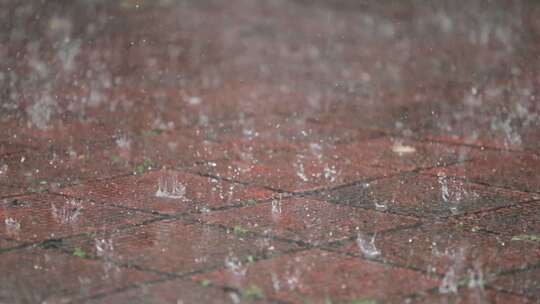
[523, 282]
[175, 291]
[37, 276]
[315, 276]
[4, 243]
[42, 216]
[474, 295]
[175, 246]
[165, 148]
[405, 154]
[7, 189]
[518, 221]
[505, 169]
[32, 170]
[263, 129]
[7, 147]
[306, 220]
[425, 195]
[293, 171]
[441, 248]
[309, 166]
[195, 192]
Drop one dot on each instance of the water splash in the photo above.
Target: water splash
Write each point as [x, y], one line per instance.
[367, 245]
[3, 169]
[300, 171]
[235, 265]
[476, 278]
[104, 247]
[169, 186]
[451, 278]
[401, 149]
[13, 226]
[68, 213]
[453, 200]
[330, 173]
[275, 281]
[276, 209]
[123, 141]
[381, 206]
[449, 283]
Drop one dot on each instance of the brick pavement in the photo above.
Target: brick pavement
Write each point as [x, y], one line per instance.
[269, 152]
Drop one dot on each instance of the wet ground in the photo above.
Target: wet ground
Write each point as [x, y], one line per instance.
[269, 151]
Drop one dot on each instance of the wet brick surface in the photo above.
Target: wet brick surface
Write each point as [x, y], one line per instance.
[40, 217]
[173, 291]
[269, 151]
[317, 276]
[174, 246]
[196, 193]
[306, 220]
[444, 248]
[37, 275]
[473, 295]
[425, 196]
[523, 282]
[5, 243]
[515, 171]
